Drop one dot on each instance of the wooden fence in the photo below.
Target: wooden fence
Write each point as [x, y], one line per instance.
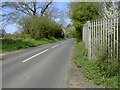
[101, 36]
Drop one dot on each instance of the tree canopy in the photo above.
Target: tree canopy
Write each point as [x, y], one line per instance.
[81, 12]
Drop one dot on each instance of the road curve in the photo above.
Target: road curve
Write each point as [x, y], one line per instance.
[44, 66]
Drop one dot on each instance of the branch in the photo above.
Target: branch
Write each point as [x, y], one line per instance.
[44, 9]
[27, 6]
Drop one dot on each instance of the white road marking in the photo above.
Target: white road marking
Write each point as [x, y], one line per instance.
[55, 45]
[35, 55]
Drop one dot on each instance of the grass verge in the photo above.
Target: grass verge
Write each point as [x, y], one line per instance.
[11, 45]
[90, 69]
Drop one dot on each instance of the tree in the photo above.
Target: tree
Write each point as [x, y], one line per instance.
[84, 11]
[62, 16]
[70, 31]
[41, 27]
[14, 11]
[52, 12]
[44, 8]
[2, 32]
[81, 12]
[109, 9]
[119, 6]
[36, 19]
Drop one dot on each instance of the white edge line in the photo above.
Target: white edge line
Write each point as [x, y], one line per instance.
[55, 45]
[35, 55]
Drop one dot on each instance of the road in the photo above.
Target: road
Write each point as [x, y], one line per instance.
[44, 66]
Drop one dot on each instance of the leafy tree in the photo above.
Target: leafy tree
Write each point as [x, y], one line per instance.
[41, 27]
[70, 31]
[81, 12]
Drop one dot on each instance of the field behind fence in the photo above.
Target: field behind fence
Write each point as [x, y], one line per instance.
[100, 36]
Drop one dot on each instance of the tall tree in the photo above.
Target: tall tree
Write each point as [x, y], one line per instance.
[81, 12]
[13, 11]
[84, 11]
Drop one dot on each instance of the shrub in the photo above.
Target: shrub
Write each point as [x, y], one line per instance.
[11, 44]
[41, 27]
[108, 66]
[21, 36]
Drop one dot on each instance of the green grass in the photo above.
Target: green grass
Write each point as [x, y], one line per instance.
[90, 69]
[11, 44]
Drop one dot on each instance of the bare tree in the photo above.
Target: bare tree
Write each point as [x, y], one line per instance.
[52, 13]
[44, 8]
[2, 32]
[62, 16]
[13, 11]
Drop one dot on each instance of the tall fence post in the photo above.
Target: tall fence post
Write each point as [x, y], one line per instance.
[118, 58]
[118, 39]
[89, 39]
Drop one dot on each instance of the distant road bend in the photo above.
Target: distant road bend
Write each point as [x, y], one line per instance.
[44, 66]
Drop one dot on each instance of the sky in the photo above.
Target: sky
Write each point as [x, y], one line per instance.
[11, 28]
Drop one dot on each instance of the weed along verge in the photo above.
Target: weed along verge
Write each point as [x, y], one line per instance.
[12, 44]
[92, 69]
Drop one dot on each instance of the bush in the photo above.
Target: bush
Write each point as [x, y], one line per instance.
[21, 36]
[41, 27]
[10, 44]
[108, 66]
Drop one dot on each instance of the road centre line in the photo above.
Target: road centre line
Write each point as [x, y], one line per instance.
[41, 52]
[35, 55]
[55, 46]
